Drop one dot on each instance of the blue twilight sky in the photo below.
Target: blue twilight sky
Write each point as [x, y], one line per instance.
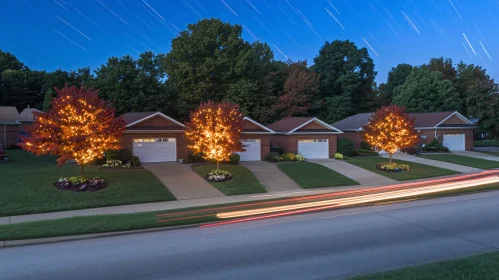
[70, 34]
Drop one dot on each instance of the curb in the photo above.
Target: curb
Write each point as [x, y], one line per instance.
[22, 242]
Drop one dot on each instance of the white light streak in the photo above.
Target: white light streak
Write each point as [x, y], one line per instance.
[112, 12]
[229, 8]
[410, 22]
[132, 48]
[280, 52]
[70, 40]
[455, 9]
[82, 34]
[61, 5]
[254, 8]
[153, 10]
[487, 53]
[250, 33]
[370, 47]
[466, 49]
[333, 7]
[469, 43]
[337, 21]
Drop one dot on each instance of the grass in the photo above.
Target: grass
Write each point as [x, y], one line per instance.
[489, 153]
[243, 181]
[310, 175]
[28, 186]
[486, 143]
[466, 161]
[418, 171]
[136, 221]
[476, 267]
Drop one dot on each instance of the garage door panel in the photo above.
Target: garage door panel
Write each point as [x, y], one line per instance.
[155, 149]
[253, 150]
[314, 148]
[454, 142]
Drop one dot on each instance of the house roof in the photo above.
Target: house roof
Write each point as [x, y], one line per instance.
[290, 125]
[421, 120]
[137, 117]
[263, 129]
[27, 115]
[9, 115]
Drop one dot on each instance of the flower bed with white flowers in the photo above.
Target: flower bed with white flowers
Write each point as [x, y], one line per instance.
[81, 184]
[218, 175]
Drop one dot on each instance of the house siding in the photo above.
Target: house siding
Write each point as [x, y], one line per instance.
[157, 121]
[12, 134]
[289, 143]
[182, 150]
[356, 137]
[454, 120]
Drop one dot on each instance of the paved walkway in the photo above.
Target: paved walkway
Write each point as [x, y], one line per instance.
[476, 155]
[436, 163]
[182, 181]
[361, 175]
[271, 177]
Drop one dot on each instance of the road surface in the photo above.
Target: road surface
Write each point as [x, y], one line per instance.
[326, 245]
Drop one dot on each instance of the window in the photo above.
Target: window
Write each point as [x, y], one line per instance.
[251, 140]
[137, 140]
[312, 140]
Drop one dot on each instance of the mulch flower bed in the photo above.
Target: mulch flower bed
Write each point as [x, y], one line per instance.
[393, 167]
[226, 179]
[81, 184]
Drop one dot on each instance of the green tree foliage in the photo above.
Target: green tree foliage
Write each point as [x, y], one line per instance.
[483, 103]
[444, 66]
[9, 61]
[47, 100]
[426, 91]
[396, 77]
[347, 76]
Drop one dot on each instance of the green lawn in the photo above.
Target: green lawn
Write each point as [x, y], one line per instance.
[466, 161]
[27, 186]
[418, 171]
[478, 267]
[310, 175]
[243, 181]
[486, 143]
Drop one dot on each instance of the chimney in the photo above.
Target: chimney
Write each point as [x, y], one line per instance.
[28, 106]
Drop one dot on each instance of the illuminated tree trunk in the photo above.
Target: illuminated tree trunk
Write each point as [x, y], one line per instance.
[218, 165]
[390, 157]
[82, 170]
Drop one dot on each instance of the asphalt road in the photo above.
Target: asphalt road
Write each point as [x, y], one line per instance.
[326, 245]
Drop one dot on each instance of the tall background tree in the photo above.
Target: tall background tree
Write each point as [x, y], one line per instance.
[79, 126]
[347, 76]
[396, 77]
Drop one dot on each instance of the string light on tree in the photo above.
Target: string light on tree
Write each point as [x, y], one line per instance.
[80, 126]
[214, 130]
[389, 129]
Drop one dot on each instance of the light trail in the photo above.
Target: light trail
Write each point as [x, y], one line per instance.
[338, 202]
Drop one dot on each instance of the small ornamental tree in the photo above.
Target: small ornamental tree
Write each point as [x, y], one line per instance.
[215, 130]
[80, 126]
[390, 128]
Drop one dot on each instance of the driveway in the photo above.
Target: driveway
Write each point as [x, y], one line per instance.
[361, 175]
[476, 155]
[436, 163]
[273, 179]
[182, 181]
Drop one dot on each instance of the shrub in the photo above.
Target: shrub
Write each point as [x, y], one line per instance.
[289, 157]
[300, 157]
[194, 157]
[435, 146]
[364, 146]
[338, 156]
[271, 155]
[277, 149]
[234, 158]
[410, 151]
[122, 154]
[77, 180]
[14, 147]
[346, 147]
[113, 163]
[277, 158]
[393, 167]
[135, 161]
[219, 175]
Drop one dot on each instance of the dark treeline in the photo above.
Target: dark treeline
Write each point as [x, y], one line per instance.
[211, 61]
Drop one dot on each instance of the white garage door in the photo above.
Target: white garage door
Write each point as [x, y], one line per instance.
[455, 142]
[313, 148]
[155, 149]
[252, 152]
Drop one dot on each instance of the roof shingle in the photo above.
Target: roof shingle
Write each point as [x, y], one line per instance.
[288, 124]
[8, 114]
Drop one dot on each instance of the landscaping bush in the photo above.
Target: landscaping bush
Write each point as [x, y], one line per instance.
[364, 146]
[194, 157]
[277, 158]
[3, 155]
[277, 149]
[361, 152]
[14, 147]
[393, 167]
[271, 156]
[122, 154]
[289, 157]
[116, 164]
[338, 156]
[234, 158]
[300, 157]
[219, 175]
[135, 161]
[410, 151]
[346, 147]
[435, 146]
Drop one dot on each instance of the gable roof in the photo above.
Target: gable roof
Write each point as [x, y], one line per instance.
[137, 117]
[268, 130]
[421, 121]
[291, 125]
[9, 115]
[27, 115]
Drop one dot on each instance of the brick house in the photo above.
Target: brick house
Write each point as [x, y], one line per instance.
[309, 136]
[13, 124]
[455, 130]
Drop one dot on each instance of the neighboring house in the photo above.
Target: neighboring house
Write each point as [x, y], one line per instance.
[310, 137]
[13, 124]
[155, 137]
[455, 130]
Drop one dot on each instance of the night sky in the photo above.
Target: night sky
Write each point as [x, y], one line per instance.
[70, 34]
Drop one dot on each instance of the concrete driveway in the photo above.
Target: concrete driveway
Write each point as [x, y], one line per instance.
[361, 175]
[476, 155]
[273, 179]
[182, 181]
[436, 163]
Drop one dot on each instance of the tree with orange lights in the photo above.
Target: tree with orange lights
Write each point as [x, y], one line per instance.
[390, 128]
[215, 130]
[80, 126]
